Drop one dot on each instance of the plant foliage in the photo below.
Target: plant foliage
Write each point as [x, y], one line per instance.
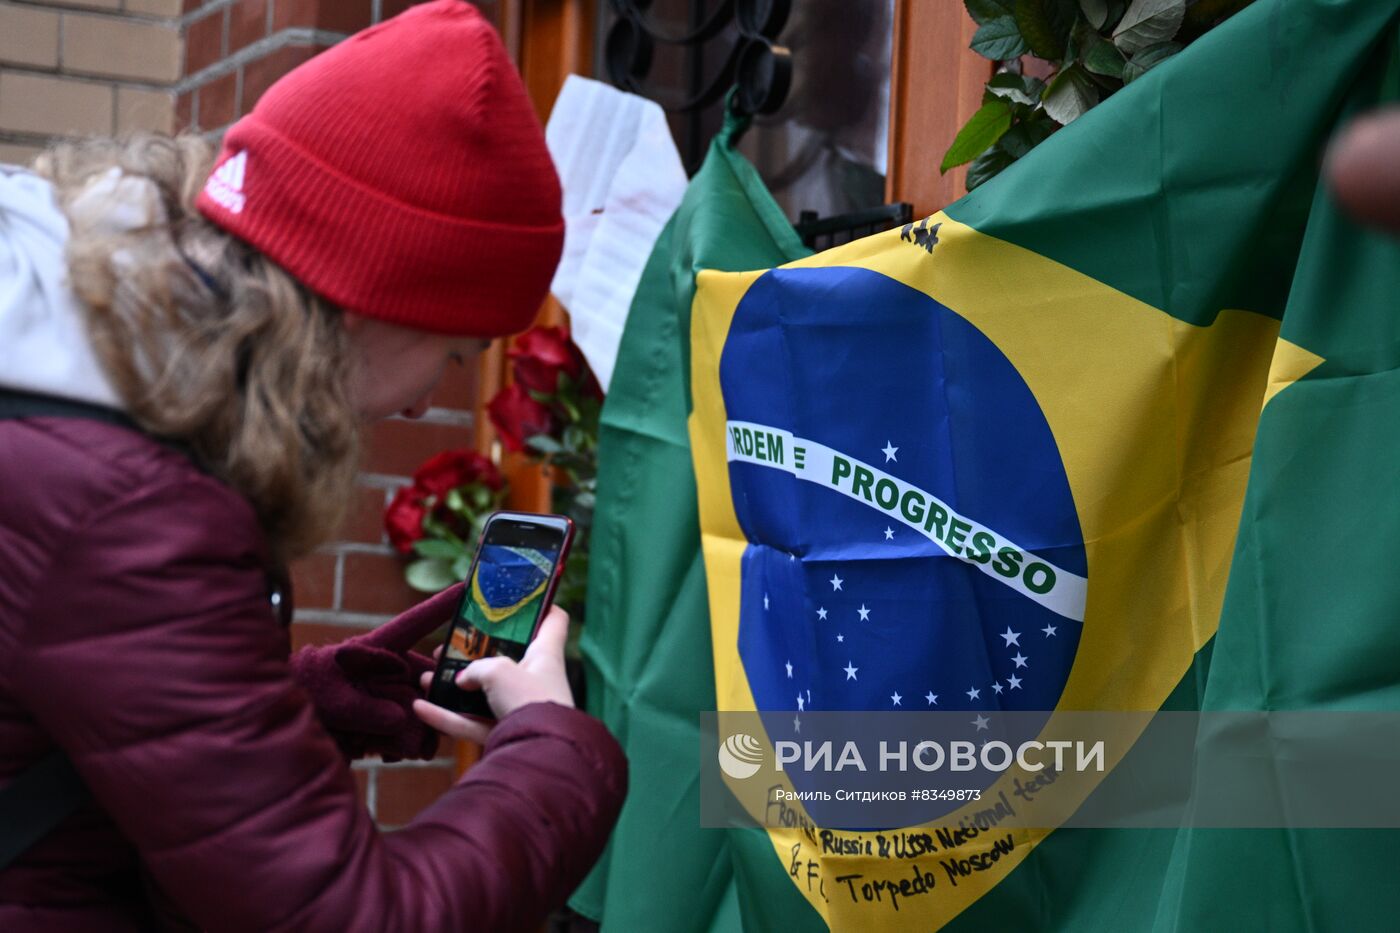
[1093, 47]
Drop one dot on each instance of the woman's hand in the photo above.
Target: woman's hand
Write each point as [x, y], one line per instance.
[538, 677]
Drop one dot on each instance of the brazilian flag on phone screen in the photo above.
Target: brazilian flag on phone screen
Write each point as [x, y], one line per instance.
[1146, 376]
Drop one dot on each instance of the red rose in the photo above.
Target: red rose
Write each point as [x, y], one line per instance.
[404, 518]
[541, 354]
[453, 468]
[518, 417]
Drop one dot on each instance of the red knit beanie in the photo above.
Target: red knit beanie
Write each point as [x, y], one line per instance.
[403, 175]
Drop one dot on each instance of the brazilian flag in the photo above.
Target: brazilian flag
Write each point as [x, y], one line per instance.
[1113, 432]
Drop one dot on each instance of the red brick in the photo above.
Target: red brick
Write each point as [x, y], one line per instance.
[374, 583]
[460, 386]
[317, 633]
[189, 6]
[184, 112]
[334, 15]
[403, 793]
[365, 522]
[398, 447]
[247, 23]
[361, 786]
[217, 102]
[204, 43]
[260, 75]
[313, 582]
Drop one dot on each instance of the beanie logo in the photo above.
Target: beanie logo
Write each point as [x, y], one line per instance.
[225, 186]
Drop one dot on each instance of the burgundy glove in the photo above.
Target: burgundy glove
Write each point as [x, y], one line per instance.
[364, 687]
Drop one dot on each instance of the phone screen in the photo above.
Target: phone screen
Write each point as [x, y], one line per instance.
[511, 584]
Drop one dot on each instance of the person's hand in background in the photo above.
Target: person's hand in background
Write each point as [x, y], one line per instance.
[1363, 168]
[537, 678]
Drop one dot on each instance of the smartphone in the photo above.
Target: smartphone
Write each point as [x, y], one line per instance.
[510, 587]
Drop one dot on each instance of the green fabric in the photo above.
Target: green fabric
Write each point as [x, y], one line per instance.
[1215, 156]
[1310, 614]
[646, 640]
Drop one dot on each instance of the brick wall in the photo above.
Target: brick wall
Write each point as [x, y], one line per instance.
[233, 51]
[80, 67]
[236, 49]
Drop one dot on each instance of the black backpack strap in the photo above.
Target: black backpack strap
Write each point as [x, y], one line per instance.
[35, 802]
[15, 403]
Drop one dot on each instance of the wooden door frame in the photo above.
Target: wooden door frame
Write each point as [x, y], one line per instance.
[936, 84]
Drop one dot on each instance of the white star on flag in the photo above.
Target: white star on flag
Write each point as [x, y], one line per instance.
[1011, 638]
[931, 697]
[997, 687]
[850, 671]
[1020, 659]
[889, 533]
[765, 600]
[864, 613]
[835, 582]
[796, 724]
[1014, 681]
[789, 669]
[895, 697]
[981, 722]
[841, 638]
[889, 450]
[799, 702]
[974, 694]
[821, 613]
[1049, 630]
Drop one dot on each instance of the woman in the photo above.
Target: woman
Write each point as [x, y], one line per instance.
[202, 349]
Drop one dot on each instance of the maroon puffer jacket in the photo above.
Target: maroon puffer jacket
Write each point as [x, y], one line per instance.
[136, 634]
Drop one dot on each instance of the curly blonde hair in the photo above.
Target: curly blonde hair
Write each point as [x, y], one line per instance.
[209, 342]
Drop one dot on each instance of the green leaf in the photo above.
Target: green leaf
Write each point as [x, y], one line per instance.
[461, 567]
[429, 576]
[454, 500]
[1070, 95]
[982, 11]
[1143, 61]
[1102, 58]
[998, 39]
[1019, 89]
[987, 165]
[983, 129]
[1095, 11]
[544, 444]
[481, 497]
[1147, 23]
[1027, 134]
[435, 547]
[1045, 41]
